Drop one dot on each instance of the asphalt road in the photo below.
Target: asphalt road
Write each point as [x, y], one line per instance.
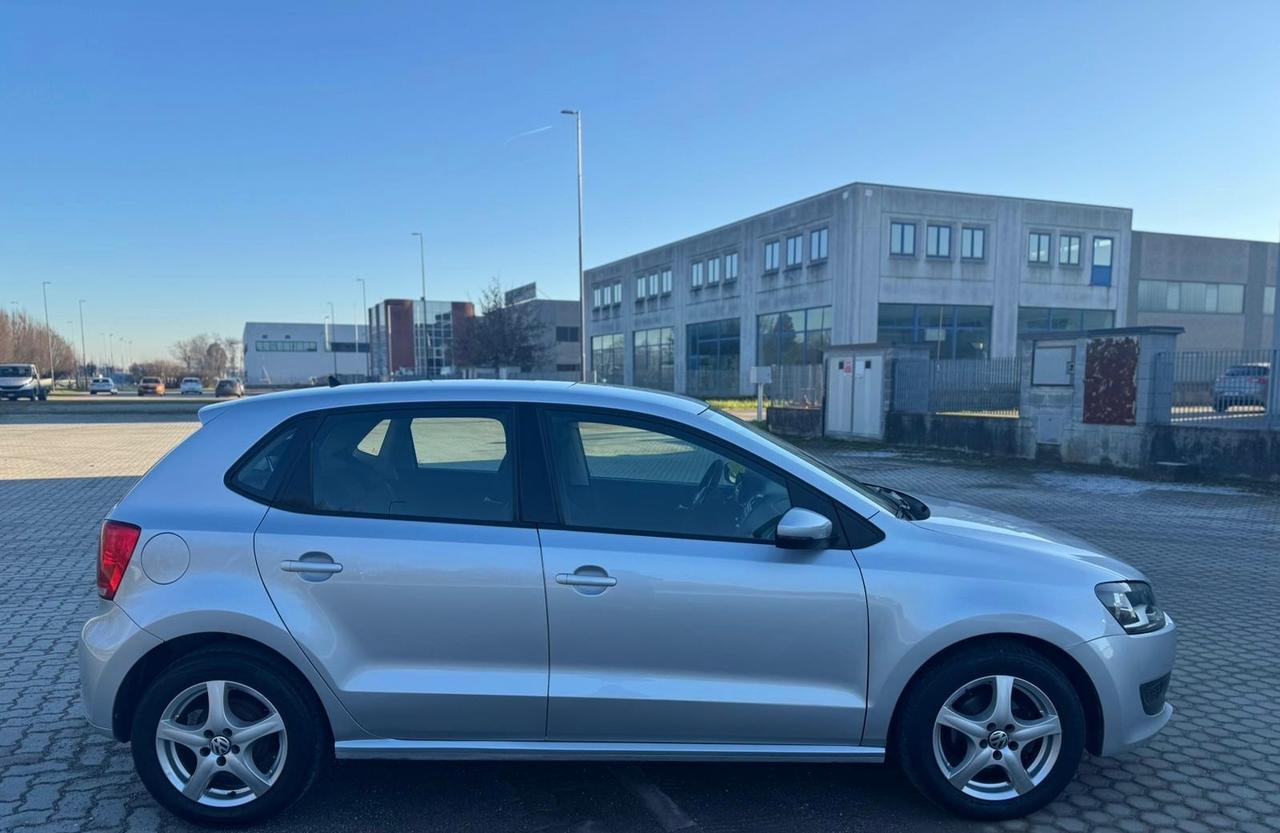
[1210, 550]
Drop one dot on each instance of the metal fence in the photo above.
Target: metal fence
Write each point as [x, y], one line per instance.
[959, 387]
[712, 382]
[1224, 388]
[797, 385]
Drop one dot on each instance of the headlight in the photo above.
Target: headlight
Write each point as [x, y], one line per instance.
[1133, 604]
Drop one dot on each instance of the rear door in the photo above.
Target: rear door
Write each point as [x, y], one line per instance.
[395, 558]
[673, 617]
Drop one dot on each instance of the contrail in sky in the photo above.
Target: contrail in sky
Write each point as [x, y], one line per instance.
[545, 127]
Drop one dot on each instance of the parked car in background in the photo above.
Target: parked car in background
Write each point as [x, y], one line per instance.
[102, 384]
[1242, 384]
[229, 387]
[191, 384]
[22, 380]
[445, 570]
[151, 385]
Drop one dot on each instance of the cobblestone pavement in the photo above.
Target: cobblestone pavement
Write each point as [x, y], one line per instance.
[1211, 552]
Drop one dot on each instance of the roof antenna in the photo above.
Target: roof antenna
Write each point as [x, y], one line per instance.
[333, 381]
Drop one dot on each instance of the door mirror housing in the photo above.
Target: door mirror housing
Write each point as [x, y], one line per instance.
[802, 529]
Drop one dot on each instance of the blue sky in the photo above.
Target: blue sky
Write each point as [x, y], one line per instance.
[187, 166]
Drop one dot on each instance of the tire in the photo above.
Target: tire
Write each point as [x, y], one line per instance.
[968, 682]
[289, 760]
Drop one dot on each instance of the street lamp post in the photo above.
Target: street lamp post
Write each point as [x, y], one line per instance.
[44, 290]
[582, 289]
[111, 355]
[333, 327]
[368, 353]
[84, 355]
[426, 338]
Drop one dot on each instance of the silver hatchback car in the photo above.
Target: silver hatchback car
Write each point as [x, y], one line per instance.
[556, 571]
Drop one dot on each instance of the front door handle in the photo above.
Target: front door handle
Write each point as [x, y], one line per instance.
[577, 580]
[314, 566]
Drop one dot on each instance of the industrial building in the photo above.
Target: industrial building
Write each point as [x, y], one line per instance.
[963, 274]
[293, 353]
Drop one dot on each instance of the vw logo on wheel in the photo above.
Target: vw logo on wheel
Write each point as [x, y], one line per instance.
[999, 739]
[220, 745]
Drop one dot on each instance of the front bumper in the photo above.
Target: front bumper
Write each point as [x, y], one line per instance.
[110, 645]
[1120, 666]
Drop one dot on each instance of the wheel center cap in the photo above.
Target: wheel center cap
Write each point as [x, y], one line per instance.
[219, 745]
[998, 739]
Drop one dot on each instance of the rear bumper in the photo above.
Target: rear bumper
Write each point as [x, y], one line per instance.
[1120, 666]
[110, 645]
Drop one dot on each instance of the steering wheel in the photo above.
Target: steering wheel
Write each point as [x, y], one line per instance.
[710, 478]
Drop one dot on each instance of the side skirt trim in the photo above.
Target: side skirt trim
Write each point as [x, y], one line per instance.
[551, 750]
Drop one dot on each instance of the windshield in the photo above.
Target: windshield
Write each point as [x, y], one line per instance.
[859, 487]
[23, 370]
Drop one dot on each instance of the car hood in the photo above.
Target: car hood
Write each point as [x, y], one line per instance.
[1019, 536]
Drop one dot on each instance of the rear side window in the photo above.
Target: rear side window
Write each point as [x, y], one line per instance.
[259, 476]
[445, 466]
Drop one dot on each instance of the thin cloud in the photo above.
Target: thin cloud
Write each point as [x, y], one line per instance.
[542, 129]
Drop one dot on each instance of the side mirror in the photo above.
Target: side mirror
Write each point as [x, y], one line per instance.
[802, 529]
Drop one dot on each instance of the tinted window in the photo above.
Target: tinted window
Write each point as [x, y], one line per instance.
[628, 477]
[260, 474]
[452, 466]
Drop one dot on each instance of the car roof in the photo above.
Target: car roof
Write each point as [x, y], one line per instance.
[288, 403]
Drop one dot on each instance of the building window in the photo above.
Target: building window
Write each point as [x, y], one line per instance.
[595, 297]
[1033, 320]
[1193, 296]
[349, 346]
[666, 281]
[568, 334]
[731, 267]
[952, 332]
[712, 357]
[713, 271]
[286, 346]
[1268, 300]
[1102, 251]
[771, 252]
[606, 358]
[640, 288]
[973, 243]
[617, 293]
[795, 337]
[818, 244]
[653, 284]
[653, 358]
[568, 368]
[795, 250]
[1069, 249]
[902, 239]
[695, 275]
[1038, 244]
[937, 241]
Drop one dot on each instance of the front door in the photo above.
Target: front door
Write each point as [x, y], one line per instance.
[673, 617]
[400, 570]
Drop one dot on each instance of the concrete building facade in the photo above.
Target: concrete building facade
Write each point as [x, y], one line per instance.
[1221, 292]
[293, 353]
[560, 331]
[961, 273]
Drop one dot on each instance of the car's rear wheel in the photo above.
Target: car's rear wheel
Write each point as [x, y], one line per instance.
[220, 738]
[993, 732]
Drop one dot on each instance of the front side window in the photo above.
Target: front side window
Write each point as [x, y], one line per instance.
[938, 241]
[445, 465]
[902, 238]
[1102, 252]
[818, 244]
[771, 251]
[619, 475]
[973, 243]
[795, 250]
[1069, 250]
[1038, 247]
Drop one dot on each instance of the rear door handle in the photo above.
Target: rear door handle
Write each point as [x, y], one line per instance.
[314, 566]
[576, 579]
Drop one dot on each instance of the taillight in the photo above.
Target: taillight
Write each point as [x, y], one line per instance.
[115, 548]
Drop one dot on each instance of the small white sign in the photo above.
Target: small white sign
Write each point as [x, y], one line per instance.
[762, 375]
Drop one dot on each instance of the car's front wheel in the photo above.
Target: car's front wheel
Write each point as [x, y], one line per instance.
[993, 732]
[220, 738]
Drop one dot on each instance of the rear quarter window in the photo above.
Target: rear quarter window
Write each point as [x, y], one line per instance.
[260, 473]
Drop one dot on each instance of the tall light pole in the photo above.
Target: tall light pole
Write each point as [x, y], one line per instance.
[364, 311]
[84, 353]
[333, 327]
[582, 289]
[426, 339]
[111, 356]
[44, 290]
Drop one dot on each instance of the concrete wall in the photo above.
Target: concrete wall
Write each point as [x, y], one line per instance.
[1180, 257]
[551, 314]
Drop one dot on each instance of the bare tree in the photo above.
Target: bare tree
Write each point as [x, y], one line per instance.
[23, 339]
[501, 336]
